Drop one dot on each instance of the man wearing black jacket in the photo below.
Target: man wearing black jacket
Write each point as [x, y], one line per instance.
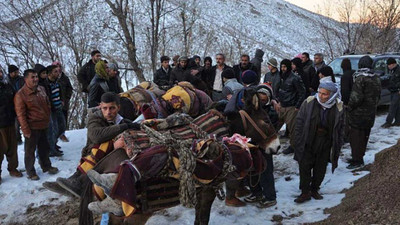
[309, 70]
[161, 76]
[244, 65]
[291, 94]
[87, 72]
[394, 88]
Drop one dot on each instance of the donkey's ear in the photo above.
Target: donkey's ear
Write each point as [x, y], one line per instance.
[255, 102]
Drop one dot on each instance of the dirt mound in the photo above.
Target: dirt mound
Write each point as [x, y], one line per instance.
[375, 198]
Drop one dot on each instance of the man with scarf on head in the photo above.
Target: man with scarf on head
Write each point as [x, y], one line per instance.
[362, 106]
[318, 138]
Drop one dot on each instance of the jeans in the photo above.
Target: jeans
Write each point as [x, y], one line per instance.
[266, 181]
[56, 128]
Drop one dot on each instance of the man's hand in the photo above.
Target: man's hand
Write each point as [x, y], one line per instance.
[277, 106]
[194, 72]
[134, 126]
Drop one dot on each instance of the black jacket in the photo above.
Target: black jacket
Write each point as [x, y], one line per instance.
[177, 75]
[7, 110]
[16, 82]
[292, 91]
[86, 74]
[346, 84]
[309, 71]
[161, 78]
[66, 90]
[394, 80]
[274, 79]
[257, 61]
[239, 70]
[98, 86]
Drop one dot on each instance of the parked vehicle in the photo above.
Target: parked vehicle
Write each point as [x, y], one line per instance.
[379, 66]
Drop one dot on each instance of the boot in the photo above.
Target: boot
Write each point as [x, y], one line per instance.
[55, 187]
[386, 125]
[303, 197]
[51, 170]
[235, 202]
[316, 195]
[15, 173]
[265, 203]
[242, 192]
[105, 181]
[288, 150]
[71, 184]
[253, 198]
[107, 205]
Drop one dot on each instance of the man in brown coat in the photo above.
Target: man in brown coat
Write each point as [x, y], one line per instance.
[33, 112]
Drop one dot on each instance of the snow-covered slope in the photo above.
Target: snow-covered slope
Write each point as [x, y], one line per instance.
[16, 194]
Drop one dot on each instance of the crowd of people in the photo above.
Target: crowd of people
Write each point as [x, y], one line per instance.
[320, 115]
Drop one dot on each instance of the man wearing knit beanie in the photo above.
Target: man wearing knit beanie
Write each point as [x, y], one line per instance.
[272, 77]
[231, 85]
[290, 95]
[249, 78]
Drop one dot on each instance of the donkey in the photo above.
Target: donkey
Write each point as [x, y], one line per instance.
[263, 134]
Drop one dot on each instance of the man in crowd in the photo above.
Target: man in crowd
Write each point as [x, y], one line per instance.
[8, 138]
[87, 72]
[104, 124]
[257, 61]
[394, 88]
[244, 65]
[66, 90]
[33, 111]
[178, 74]
[16, 82]
[273, 77]
[362, 106]
[162, 75]
[318, 133]
[291, 94]
[214, 81]
[57, 121]
[318, 61]
[309, 71]
[231, 85]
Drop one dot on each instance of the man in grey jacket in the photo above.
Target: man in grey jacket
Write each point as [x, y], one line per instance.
[318, 138]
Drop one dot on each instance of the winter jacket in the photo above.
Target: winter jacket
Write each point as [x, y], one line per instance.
[394, 80]
[86, 74]
[100, 85]
[364, 99]
[274, 79]
[305, 80]
[292, 91]
[346, 84]
[7, 110]
[161, 78]
[257, 61]
[99, 130]
[230, 87]
[211, 76]
[238, 69]
[16, 82]
[32, 108]
[66, 90]
[303, 127]
[177, 75]
[309, 70]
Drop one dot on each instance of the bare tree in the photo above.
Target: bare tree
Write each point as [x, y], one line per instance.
[188, 17]
[122, 10]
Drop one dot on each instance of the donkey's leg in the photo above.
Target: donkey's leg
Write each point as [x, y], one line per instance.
[205, 199]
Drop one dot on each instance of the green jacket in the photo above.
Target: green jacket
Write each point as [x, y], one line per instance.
[364, 99]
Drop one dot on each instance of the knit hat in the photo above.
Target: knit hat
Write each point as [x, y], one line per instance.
[365, 62]
[12, 68]
[328, 85]
[228, 73]
[249, 77]
[326, 71]
[265, 88]
[390, 61]
[273, 62]
[287, 63]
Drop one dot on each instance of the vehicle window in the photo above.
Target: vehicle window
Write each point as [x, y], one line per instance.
[380, 65]
[354, 63]
[335, 65]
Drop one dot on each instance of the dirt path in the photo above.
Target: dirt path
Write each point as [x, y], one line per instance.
[375, 198]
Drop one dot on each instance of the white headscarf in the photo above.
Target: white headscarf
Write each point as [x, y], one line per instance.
[334, 94]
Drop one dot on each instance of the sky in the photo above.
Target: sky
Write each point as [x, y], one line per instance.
[311, 5]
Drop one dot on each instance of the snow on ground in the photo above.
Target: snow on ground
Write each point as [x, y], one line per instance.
[18, 193]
